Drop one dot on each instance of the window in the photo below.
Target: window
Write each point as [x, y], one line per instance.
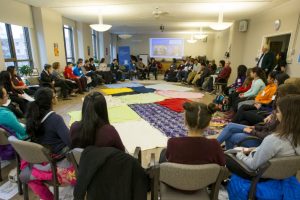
[95, 43]
[12, 36]
[69, 44]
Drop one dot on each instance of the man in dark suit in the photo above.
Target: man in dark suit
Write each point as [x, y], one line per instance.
[266, 60]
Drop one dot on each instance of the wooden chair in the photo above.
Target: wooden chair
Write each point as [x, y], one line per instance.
[276, 168]
[172, 181]
[34, 154]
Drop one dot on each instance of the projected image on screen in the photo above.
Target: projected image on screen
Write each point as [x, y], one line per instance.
[166, 47]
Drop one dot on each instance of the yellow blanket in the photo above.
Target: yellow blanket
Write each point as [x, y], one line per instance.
[111, 91]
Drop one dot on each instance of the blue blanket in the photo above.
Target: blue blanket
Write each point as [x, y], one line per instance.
[142, 89]
[287, 189]
[124, 85]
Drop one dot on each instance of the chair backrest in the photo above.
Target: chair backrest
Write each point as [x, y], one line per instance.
[188, 177]
[3, 137]
[77, 154]
[283, 167]
[29, 151]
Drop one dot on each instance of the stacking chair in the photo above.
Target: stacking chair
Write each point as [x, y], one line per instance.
[35, 154]
[75, 154]
[172, 181]
[276, 168]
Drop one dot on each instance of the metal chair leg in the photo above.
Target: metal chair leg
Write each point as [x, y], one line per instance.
[26, 194]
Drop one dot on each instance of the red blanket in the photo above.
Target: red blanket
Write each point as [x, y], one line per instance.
[174, 104]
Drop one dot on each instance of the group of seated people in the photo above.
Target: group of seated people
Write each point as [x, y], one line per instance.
[278, 132]
[200, 73]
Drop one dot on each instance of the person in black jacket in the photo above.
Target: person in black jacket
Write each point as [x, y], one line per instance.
[121, 176]
[266, 60]
[48, 80]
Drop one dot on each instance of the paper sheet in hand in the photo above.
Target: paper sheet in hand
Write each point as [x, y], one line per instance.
[27, 97]
[8, 190]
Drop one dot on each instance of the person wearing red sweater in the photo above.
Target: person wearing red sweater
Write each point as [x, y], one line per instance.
[80, 81]
[195, 149]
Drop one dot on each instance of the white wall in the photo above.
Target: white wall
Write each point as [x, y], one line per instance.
[262, 25]
[84, 40]
[139, 44]
[13, 12]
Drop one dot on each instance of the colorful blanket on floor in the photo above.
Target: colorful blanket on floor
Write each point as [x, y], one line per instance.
[140, 133]
[111, 91]
[175, 104]
[116, 114]
[177, 94]
[169, 87]
[113, 101]
[142, 89]
[124, 85]
[167, 121]
[141, 98]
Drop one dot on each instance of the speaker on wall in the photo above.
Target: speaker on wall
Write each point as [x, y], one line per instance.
[243, 26]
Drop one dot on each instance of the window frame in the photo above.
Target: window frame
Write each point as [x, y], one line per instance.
[95, 44]
[71, 35]
[11, 44]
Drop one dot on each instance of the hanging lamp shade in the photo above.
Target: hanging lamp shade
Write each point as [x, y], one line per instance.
[125, 36]
[192, 40]
[100, 27]
[220, 25]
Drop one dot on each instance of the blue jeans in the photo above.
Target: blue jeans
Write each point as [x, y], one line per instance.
[232, 134]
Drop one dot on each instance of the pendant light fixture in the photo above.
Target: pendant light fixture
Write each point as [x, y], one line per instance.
[192, 40]
[200, 35]
[100, 27]
[220, 25]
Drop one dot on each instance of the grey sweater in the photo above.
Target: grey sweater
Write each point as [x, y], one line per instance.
[272, 146]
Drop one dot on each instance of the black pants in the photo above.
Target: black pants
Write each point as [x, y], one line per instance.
[118, 75]
[248, 115]
[65, 89]
[154, 71]
[20, 101]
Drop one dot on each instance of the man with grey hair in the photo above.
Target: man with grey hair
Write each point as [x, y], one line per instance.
[266, 60]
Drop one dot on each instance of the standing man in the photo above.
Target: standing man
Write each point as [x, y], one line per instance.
[266, 60]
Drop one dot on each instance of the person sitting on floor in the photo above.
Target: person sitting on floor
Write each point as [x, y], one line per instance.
[80, 81]
[47, 128]
[194, 149]
[234, 133]
[94, 127]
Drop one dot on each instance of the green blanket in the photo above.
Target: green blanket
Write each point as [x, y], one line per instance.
[116, 114]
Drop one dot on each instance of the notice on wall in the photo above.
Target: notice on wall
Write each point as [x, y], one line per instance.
[56, 51]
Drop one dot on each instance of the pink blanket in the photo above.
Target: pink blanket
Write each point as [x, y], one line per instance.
[176, 94]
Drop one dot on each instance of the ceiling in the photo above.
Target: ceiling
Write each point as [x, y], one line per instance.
[135, 16]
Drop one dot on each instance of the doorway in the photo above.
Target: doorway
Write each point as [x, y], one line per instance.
[279, 43]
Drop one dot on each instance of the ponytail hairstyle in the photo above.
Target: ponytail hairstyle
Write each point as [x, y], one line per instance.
[198, 115]
[260, 73]
[289, 126]
[94, 116]
[37, 110]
